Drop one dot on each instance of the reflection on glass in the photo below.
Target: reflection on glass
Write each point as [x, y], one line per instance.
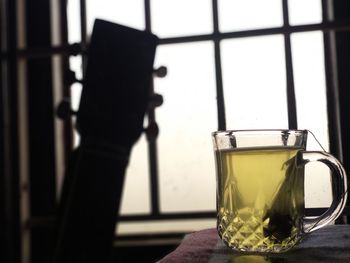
[128, 13]
[181, 17]
[236, 15]
[254, 81]
[186, 120]
[304, 12]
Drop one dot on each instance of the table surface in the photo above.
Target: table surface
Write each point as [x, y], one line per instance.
[330, 244]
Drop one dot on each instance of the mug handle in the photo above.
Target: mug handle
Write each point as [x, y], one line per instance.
[339, 188]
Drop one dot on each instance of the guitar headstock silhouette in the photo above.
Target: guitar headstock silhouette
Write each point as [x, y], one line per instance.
[114, 100]
[117, 83]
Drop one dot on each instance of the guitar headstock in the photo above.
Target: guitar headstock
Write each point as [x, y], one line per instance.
[116, 88]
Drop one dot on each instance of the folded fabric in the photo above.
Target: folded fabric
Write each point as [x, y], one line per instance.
[330, 244]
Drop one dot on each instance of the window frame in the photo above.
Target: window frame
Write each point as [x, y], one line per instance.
[10, 54]
[328, 27]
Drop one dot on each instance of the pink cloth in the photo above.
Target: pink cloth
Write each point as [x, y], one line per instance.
[195, 248]
[330, 244]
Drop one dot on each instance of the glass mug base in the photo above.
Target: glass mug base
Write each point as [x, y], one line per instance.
[250, 240]
[251, 231]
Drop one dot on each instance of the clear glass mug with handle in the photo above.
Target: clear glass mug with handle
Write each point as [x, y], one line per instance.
[260, 188]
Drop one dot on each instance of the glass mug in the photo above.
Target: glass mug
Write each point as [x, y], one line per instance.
[260, 189]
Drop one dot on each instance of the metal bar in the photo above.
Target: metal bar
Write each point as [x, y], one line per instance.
[152, 240]
[68, 126]
[39, 30]
[291, 102]
[218, 71]
[326, 26]
[148, 25]
[332, 89]
[146, 236]
[79, 48]
[44, 52]
[83, 28]
[168, 216]
[152, 150]
[49, 221]
[206, 215]
[152, 141]
[148, 241]
[9, 87]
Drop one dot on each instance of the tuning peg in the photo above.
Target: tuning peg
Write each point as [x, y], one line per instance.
[63, 110]
[76, 49]
[70, 77]
[160, 72]
[155, 100]
[151, 131]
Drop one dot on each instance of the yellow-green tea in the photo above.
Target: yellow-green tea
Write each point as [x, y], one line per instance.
[260, 198]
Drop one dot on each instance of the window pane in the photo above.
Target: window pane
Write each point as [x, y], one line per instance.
[304, 12]
[236, 15]
[73, 18]
[181, 17]
[75, 64]
[128, 13]
[254, 81]
[310, 88]
[186, 120]
[136, 191]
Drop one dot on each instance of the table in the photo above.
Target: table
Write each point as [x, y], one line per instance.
[330, 244]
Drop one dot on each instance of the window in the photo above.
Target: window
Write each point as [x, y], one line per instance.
[231, 64]
[216, 51]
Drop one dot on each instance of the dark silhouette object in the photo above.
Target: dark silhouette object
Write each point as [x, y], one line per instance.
[110, 120]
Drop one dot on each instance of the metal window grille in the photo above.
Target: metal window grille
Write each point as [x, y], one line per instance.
[328, 27]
